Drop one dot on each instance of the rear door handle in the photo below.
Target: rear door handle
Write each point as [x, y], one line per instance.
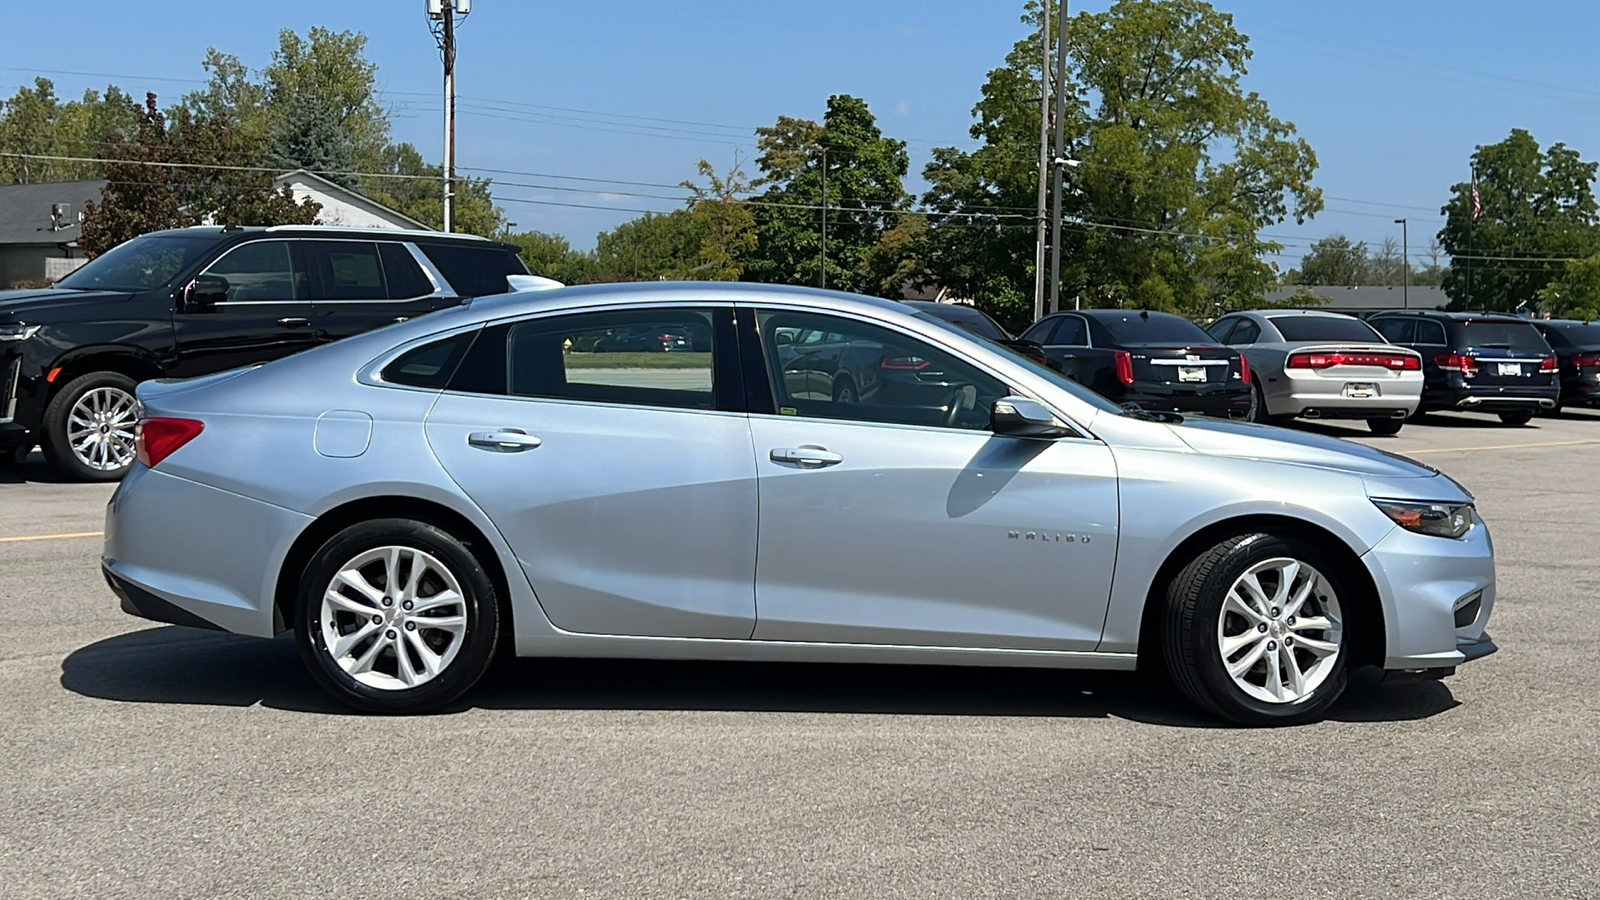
[807, 455]
[504, 440]
[294, 322]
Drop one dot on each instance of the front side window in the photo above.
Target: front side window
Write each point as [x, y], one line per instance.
[868, 373]
[659, 357]
[260, 271]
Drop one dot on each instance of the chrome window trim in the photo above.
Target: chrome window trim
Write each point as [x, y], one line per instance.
[441, 285]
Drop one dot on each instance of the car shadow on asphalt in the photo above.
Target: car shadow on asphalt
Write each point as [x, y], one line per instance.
[33, 470]
[177, 665]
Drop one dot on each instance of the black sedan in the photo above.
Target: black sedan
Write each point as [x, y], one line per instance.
[979, 323]
[1151, 360]
[1577, 348]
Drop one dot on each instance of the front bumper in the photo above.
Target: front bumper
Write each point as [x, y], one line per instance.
[1437, 597]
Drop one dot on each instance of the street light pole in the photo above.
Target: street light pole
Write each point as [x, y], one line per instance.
[1405, 261]
[1061, 126]
[1044, 160]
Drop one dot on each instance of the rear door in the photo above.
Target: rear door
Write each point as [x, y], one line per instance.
[627, 492]
[362, 285]
[267, 313]
[1065, 339]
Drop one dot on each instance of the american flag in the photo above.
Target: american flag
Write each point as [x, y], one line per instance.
[1477, 201]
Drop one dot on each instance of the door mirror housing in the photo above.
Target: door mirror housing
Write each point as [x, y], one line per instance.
[205, 291]
[1021, 417]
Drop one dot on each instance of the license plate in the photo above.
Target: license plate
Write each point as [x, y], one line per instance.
[1360, 390]
[1510, 368]
[1191, 373]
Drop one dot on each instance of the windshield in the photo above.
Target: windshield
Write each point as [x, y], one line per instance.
[1490, 333]
[1154, 328]
[1038, 368]
[1324, 328]
[142, 264]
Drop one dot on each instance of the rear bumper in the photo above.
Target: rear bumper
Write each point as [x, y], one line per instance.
[1492, 398]
[1221, 400]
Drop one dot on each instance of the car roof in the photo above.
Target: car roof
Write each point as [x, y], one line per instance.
[1563, 323]
[1122, 313]
[1287, 313]
[1452, 316]
[584, 295]
[226, 231]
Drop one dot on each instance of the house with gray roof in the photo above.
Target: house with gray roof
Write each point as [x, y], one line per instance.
[1359, 300]
[39, 227]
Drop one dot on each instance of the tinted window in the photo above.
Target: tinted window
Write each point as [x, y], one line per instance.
[1429, 332]
[1500, 333]
[1073, 332]
[1058, 379]
[406, 279]
[1247, 332]
[971, 319]
[1323, 328]
[868, 373]
[1041, 331]
[1220, 328]
[1396, 330]
[350, 270]
[141, 264]
[1583, 335]
[431, 365]
[578, 357]
[1156, 327]
[258, 271]
[475, 271]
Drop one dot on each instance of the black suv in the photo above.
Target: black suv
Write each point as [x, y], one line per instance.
[1577, 348]
[1150, 360]
[1482, 362]
[192, 301]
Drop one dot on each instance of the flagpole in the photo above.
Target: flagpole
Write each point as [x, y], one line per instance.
[1472, 225]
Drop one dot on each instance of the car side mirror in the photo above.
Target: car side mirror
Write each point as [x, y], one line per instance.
[1021, 417]
[783, 337]
[205, 291]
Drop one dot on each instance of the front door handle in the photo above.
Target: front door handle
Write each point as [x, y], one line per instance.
[504, 440]
[808, 456]
[294, 322]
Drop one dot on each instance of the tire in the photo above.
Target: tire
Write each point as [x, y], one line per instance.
[87, 433]
[1521, 417]
[1386, 427]
[1199, 616]
[1258, 406]
[845, 392]
[385, 670]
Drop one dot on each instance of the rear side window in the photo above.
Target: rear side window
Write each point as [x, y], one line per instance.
[475, 271]
[1220, 328]
[1247, 333]
[1149, 328]
[1324, 328]
[1499, 333]
[1429, 332]
[1396, 330]
[1040, 333]
[406, 279]
[431, 365]
[349, 270]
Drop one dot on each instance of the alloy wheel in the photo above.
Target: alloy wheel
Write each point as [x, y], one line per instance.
[1281, 630]
[100, 428]
[393, 618]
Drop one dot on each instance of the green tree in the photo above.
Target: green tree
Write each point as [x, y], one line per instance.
[402, 181]
[1334, 260]
[653, 247]
[1538, 211]
[865, 198]
[1575, 293]
[172, 174]
[34, 124]
[724, 222]
[321, 101]
[552, 256]
[1181, 168]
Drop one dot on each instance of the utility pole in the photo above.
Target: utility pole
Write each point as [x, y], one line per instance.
[1405, 262]
[822, 271]
[442, 14]
[1044, 159]
[1059, 155]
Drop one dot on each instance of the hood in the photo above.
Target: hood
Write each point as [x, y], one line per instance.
[1245, 440]
[18, 304]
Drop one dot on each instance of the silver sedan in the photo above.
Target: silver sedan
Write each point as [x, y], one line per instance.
[1324, 365]
[492, 478]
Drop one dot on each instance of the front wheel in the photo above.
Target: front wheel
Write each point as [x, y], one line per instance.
[396, 616]
[1520, 417]
[1254, 631]
[88, 432]
[1386, 427]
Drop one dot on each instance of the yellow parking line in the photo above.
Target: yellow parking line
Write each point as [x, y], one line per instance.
[1501, 447]
[50, 537]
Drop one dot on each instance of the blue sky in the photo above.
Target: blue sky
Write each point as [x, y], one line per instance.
[1392, 95]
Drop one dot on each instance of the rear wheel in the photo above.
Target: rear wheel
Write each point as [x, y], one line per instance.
[1253, 631]
[88, 431]
[845, 391]
[396, 616]
[1386, 426]
[1258, 406]
[1521, 417]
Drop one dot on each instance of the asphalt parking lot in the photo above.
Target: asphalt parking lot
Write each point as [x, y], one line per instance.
[145, 760]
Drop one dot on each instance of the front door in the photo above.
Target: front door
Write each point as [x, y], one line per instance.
[624, 481]
[890, 514]
[267, 313]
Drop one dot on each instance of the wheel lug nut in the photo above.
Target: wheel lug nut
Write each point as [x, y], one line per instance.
[388, 602]
[1275, 612]
[1262, 627]
[1290, 621]
[411, 626]
[406, 605]
[377, 619]
[389, 634]
[1272, 645]
[1288, 641]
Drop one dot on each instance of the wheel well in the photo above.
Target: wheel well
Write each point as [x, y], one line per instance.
[842, 380]
[121, 363]
[339, 518]
[1368, 640]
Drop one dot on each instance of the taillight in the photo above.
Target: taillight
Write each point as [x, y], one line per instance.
[908, 363]
[1244, 369]
[1399, 362]
[158, 437]
[666, 337]
[1587, 359]
[1124, 366]
[1549, 365]
[1457, 362]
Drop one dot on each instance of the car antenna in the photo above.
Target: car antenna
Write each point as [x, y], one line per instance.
[1144, 314]
[231, 226]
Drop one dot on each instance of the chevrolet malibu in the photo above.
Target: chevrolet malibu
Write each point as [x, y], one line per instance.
[413, 500]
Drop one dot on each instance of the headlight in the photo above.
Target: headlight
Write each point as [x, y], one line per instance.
[1446, 520]
[16, 331]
